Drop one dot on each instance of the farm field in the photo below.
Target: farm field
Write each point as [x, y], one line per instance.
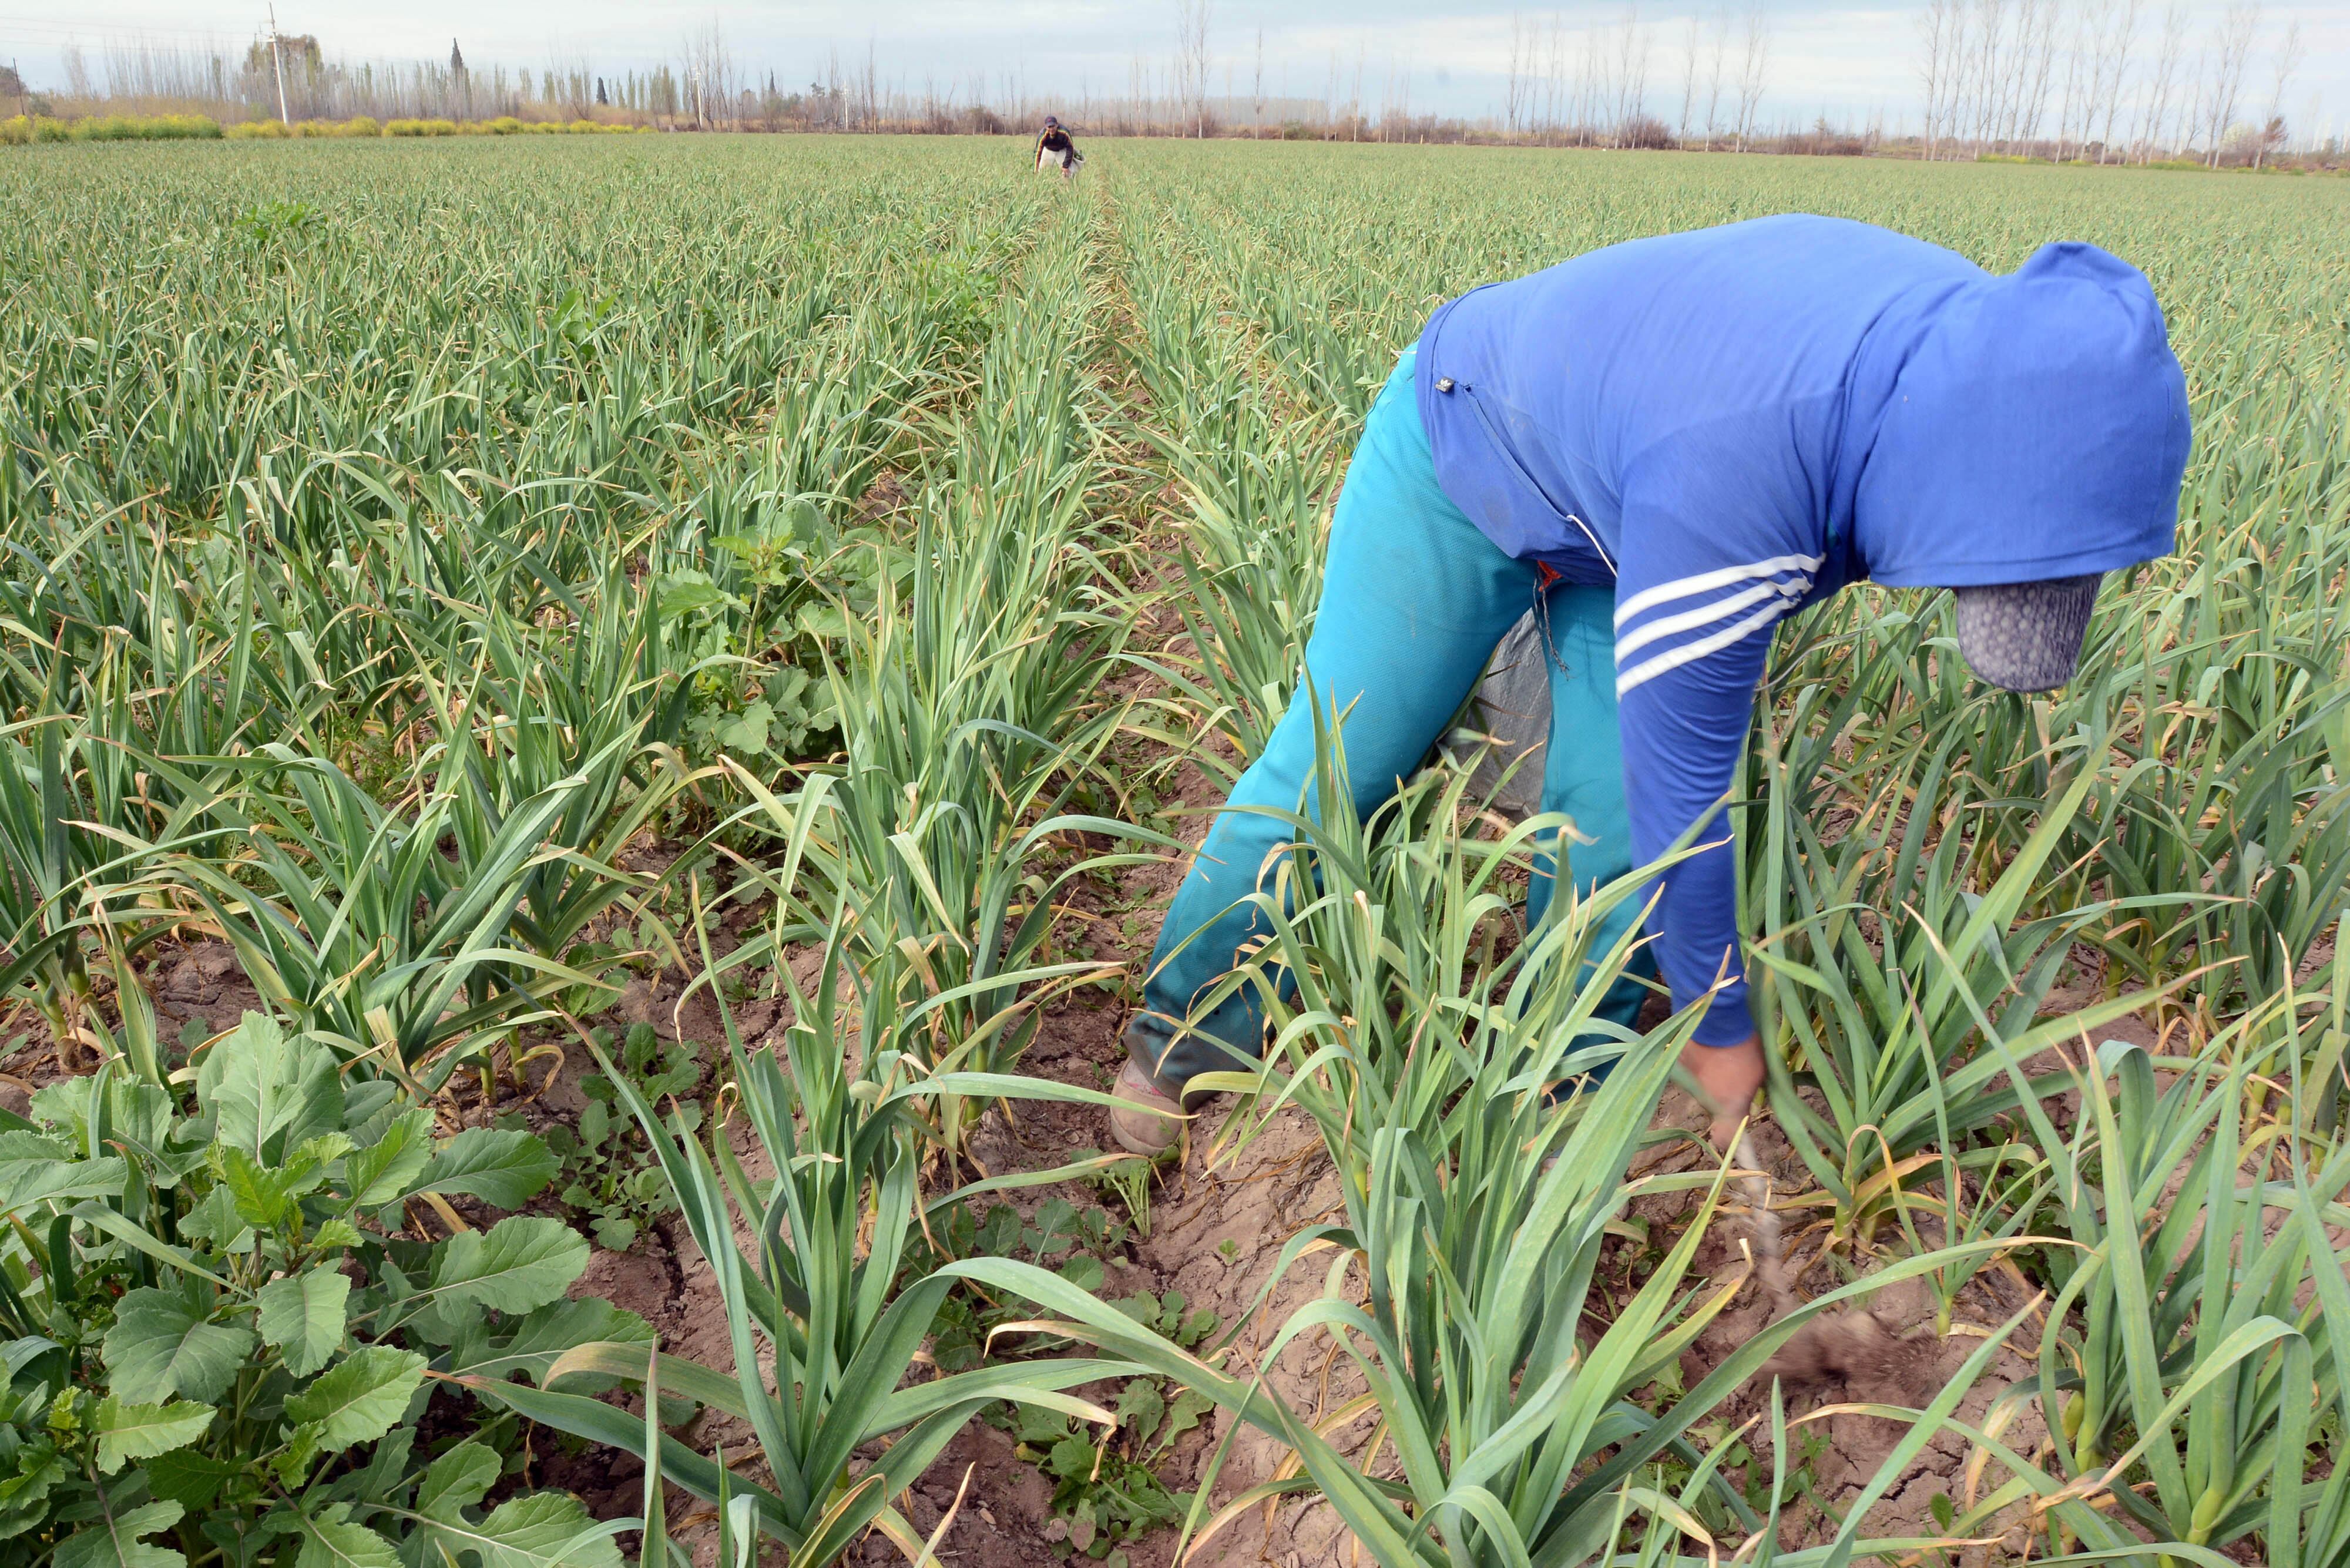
[593, 737]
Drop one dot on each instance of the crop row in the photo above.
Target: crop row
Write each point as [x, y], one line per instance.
[459, 585]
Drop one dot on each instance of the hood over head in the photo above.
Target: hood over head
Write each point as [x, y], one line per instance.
[2037, 429]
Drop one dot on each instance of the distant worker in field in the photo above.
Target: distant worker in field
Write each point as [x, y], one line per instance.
[1057, 148]
[1664, 448]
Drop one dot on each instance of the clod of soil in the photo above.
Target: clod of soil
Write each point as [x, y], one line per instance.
[1854, 1358]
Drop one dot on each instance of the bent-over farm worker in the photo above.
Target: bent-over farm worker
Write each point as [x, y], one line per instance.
[1057, 148]
[1667, 447]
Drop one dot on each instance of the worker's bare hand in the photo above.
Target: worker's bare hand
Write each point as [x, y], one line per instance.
[1728, 1075]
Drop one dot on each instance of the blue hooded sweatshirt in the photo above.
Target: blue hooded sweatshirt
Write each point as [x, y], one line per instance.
[1733, 424]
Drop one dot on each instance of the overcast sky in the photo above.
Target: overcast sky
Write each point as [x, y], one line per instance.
[1848, 59]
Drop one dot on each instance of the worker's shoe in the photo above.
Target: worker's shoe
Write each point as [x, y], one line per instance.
[1145, 1121]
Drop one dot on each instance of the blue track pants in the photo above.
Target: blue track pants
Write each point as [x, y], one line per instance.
[1414, 600]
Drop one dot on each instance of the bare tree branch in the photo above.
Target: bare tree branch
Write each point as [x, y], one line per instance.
[2288, 57]
[2226, 80]
[1757, 56]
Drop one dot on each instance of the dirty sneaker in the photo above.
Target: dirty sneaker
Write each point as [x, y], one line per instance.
[1145, 1122]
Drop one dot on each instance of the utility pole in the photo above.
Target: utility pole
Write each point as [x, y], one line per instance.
[277, 59]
